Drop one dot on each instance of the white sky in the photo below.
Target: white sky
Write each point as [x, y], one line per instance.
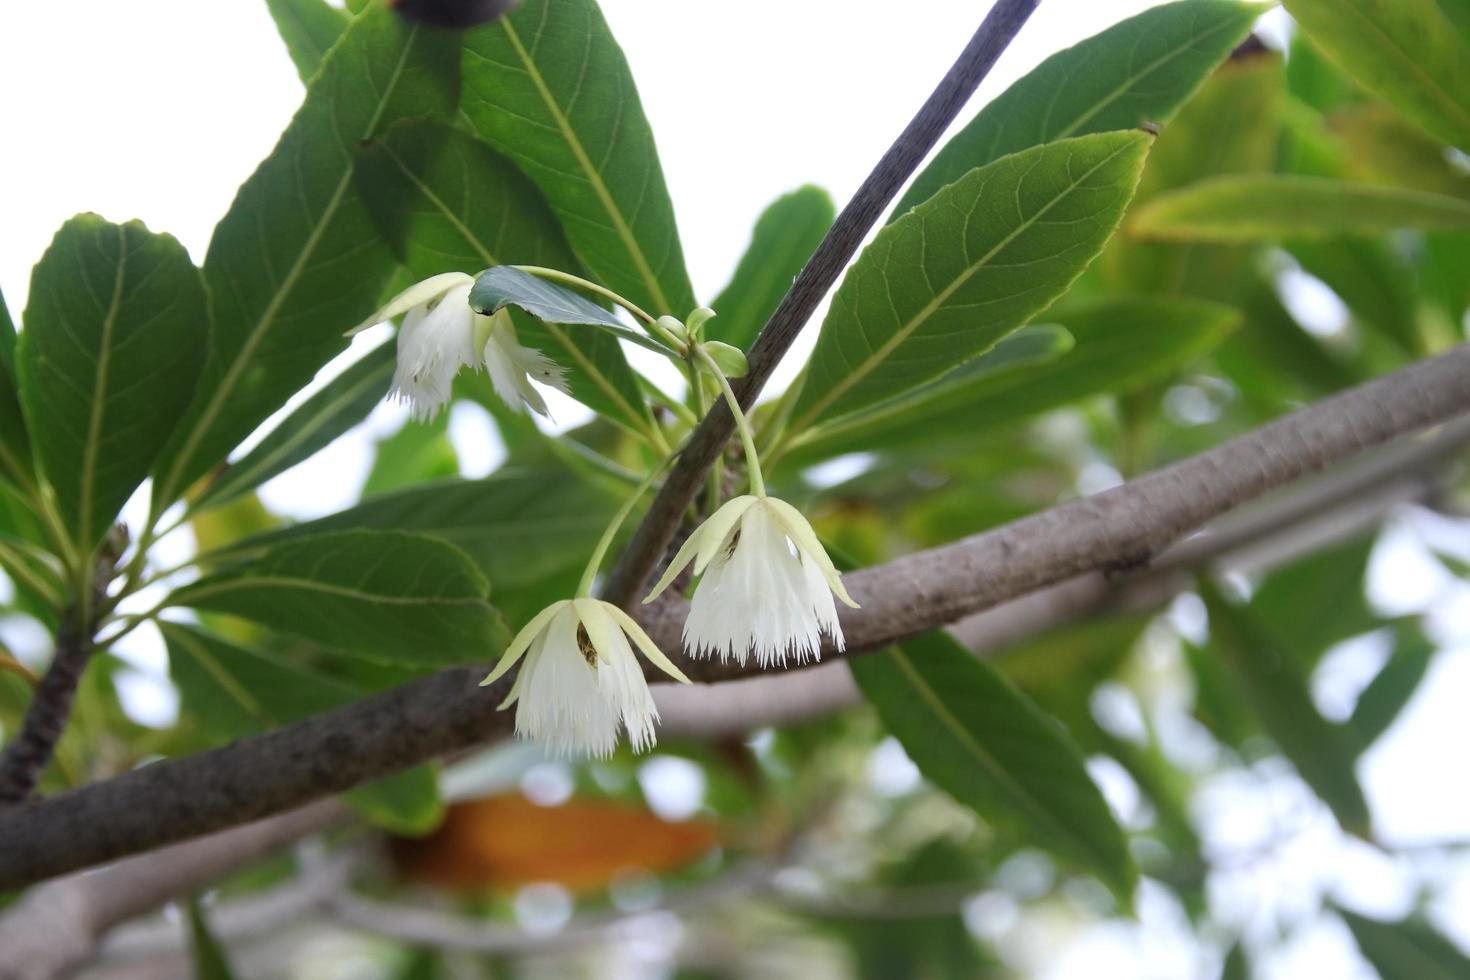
[158, 110]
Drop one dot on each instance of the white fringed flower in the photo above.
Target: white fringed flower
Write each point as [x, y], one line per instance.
[768, 585]
[440, 334]
[513, 367]
[581, 682]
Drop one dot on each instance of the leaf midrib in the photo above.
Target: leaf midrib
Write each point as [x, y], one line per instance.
[594, 178]
[933, 306]
[224, 678]
[99, 395]
[1133, 80]
[262, 325]
[998, 772]
[250, 580]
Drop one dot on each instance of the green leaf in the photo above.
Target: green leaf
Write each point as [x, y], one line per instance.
[1407, 950]
[114, 338]
[502, 286]
[417, 453]
[1323, 753]
[232, 692]
[7, 337]
[1231, 125]
[1137, 71]
[1118, 345]
[1382, 147]
[309, 28]
[296, 261]
[975, 737]
[407, 803]
[1253, 207]
[207, 955]
[1391, 688]
[15, 442]
[344, 402]
[1374, 281]
[389, 595]
[970, 265]
[549, 87]
[1404, 51]
[785, 235]
[448, 203]
[1318, 601]
[518, 526]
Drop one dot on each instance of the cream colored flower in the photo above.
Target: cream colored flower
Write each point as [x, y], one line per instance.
[440, 334]
[580, 683]
[767, 585]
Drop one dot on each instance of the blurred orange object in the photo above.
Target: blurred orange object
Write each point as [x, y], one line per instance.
[508, 841]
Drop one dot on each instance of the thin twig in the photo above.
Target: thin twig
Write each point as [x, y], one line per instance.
[429, 717]
[818, 275]
[26, 756]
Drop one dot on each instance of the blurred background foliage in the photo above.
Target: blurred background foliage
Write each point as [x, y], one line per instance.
[1223, 724]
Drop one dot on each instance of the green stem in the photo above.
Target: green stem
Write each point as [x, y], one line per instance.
[589, 575]
[742, 424]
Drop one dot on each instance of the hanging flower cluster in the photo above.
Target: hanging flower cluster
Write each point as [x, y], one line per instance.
[767, 587]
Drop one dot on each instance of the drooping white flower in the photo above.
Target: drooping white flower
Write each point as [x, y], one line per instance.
[513, 367]
[580, 683]
[768, 585]
[440, 334]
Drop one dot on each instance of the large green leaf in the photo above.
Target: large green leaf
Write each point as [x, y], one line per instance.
[1318, 601]
[1382, 147]
[1139, 70]
[1371, 277]
[1231, 125]
[417, 453]
[1391, 688]
[785, 235]
[549, 87]
[345, 401]
[1408, 950]
[518, 525]
[115, 331]
[205, 951]
[1276, 689]
[7, 337]
[388, 595]
[1405, 51]
[977, 738]
[1253, 207]
[960, 271]
[309, 28]
[1118, 345]
[232, 692]
[296, 261]
[15, 442]
[448, 203]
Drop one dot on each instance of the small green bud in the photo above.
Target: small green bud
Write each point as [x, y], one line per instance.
[697, 320]
[673, 326]
[731, 360]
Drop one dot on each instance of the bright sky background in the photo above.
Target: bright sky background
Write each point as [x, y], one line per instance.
[159, 110]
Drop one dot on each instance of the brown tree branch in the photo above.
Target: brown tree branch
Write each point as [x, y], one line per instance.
[1348, 502]
[1121, 528]
[59, 925]
[652, 536]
